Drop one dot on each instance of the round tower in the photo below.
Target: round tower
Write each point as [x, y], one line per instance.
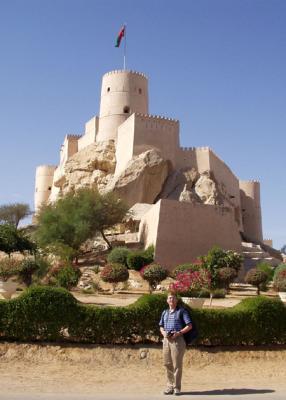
[251, 210]
[43, 185]
[122, 94]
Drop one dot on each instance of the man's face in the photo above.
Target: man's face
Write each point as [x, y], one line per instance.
[172, 300]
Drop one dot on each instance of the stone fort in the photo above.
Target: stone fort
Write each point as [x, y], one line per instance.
[182, 200]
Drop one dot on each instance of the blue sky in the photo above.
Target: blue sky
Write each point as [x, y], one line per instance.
[219, 66]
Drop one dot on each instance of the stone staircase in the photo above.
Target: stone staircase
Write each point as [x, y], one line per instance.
[254, 254]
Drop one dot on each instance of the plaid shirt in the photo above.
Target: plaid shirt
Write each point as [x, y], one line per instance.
[171, 321]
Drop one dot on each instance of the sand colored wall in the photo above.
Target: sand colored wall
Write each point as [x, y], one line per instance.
[69, 147]
[148, 228]
[156, 132]
[228, 182]
[125, 141]
[120, 89]
[143, 132]
[43, 184]
[91, 128]
[251, 210]
[186, 231]
[193, 157]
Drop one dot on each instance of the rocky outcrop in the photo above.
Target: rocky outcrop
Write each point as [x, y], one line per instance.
[207, 190]
[142, 180]
[177, 181]
[91, 167]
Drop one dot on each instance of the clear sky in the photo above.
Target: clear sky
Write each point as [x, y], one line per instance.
[219, 66]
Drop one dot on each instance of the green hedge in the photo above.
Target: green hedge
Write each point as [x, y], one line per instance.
[50, 314]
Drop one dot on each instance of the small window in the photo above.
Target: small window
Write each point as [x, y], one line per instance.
[232, 197]
[140, 91]
[126, 110]
[243, 210]
[108, 89]
[49, 188]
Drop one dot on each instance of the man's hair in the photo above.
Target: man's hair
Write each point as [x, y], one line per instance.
[172, 293]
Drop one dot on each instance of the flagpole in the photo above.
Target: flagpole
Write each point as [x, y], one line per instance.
[124, 57]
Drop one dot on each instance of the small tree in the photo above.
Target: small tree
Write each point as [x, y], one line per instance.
[256, 278]
[27, 268]
[12, 240]
[14, 213]
[226, 276]
[114, 273]
[153, 274]
[8, 267]
[265, 267]
[217, 259]
[77, 217]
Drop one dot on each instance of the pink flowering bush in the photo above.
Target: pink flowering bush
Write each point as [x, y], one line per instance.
[190, 283]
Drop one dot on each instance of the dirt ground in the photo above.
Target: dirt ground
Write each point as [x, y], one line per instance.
[46, 368]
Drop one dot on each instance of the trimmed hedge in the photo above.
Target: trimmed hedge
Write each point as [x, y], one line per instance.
[53, 314]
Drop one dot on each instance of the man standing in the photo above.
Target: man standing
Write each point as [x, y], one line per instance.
[174, 322]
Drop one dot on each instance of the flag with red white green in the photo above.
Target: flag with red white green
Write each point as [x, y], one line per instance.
[120, 36]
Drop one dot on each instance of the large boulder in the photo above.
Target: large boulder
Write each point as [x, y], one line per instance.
[142, 180]
[207, 190]
[93, 166]
[179, 181]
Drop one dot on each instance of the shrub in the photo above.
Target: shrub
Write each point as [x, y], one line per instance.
[218, 258]
[136, 260]
[226, 276]
[256, 278]
[8, 268]
[153, 274]
[53, 314]
[118, 255]
[280, 280]
[265, 267]
[149, 254]
[27, 268]
[114, 273]
[190, 283]
[186, 267]
[67, 277]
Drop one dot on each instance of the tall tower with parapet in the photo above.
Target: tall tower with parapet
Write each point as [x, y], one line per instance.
[122, 94]
[43, 185]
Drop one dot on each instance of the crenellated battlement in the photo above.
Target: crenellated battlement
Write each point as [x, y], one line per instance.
[120, 71]
[203, 148]
[73, 136]
[251, 181]
[157, 118]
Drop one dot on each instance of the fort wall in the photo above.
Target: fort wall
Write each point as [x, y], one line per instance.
[179, 227]
[143, 132]
[69, 147]
[251, 210]
[125, 142]
[43, 185]
[122, 94]
[89, 137]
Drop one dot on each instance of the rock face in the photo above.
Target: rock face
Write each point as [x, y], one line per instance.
[142, 180]
[188, 185]
[91, 167]
[207, 190]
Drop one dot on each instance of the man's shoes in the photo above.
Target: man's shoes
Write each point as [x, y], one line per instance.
[177, 392]
[169, 390]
